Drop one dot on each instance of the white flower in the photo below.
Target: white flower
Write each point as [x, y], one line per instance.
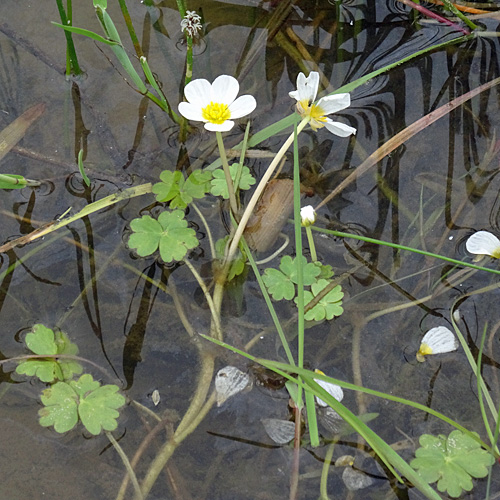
[307, 215]
[216, 103]
[191, 24]
[332, 389]
[484, 243]
[437, 341]
[307, 88]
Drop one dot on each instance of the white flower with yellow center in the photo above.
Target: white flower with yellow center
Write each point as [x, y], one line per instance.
[332, 389]
[437, 341]
[305, 95]
[307, 216]
[484, 243]
[216, 104]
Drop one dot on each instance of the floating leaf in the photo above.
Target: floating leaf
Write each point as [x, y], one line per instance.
[98, 407]
[170, 233]
[179, 191]
[280, 431]
[61, 407]
[228, 382]
[43, 341]
[328, 306]
[219, 184]
[451, 461]
[281, 283]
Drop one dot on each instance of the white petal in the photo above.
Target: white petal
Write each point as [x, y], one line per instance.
[483, 243]
[198, 92]
[332, 389]
[339, 129]
[225, 88]
[355, 480]
[307, 215]
[307, 88]
[191, 111]
[228, 382]
[243, 106]
[223, 127]
[334, 103]
[440, 340]
[280, 431]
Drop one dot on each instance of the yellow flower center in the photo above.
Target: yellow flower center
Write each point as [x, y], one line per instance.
[315, 113]
[424, 350]
[216, 113]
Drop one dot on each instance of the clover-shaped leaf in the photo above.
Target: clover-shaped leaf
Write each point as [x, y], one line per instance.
[238, 264]
[451, 461]
[219, 185]
[281, 283]
[43, 341]
[98, 404]
[179, 191]
[169, 233]
[328, 306]
[61, 407]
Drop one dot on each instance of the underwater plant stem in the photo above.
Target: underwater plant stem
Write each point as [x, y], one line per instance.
[258, 191]
[310, 240]
[323, 485]
[126, 462]
[207, 229]
[210, 302]
[191, 416]
[227, 173]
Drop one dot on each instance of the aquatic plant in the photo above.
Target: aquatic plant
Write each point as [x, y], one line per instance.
[312, 292]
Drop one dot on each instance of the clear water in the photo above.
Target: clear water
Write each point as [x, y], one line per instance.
[430, 193]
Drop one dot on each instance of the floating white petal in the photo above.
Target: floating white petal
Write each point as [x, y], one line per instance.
[307, 88]
[215, 103]
[332, 389]
[437, 340]
[483, 243]
[228, 382]
[280, 431]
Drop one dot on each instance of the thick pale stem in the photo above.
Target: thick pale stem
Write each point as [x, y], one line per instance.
[262, 184]
[227, 174]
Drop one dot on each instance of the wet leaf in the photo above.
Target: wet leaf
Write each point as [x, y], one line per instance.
[228, 382]
[451, 461]
[281, 283]
[219, 185]
[179, 191]
[169, 233]
[43, 341]
[280, 431]
[98, 408]
[328, 306]
[61, 407]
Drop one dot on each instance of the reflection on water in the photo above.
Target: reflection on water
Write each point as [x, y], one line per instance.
[430, 193]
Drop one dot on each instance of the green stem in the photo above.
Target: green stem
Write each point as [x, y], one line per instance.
[310, 240]
[258, 191]
[323, 489]
[227, 173]
[72, 65]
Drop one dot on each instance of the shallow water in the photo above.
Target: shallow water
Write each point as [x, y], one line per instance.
[430, 193]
